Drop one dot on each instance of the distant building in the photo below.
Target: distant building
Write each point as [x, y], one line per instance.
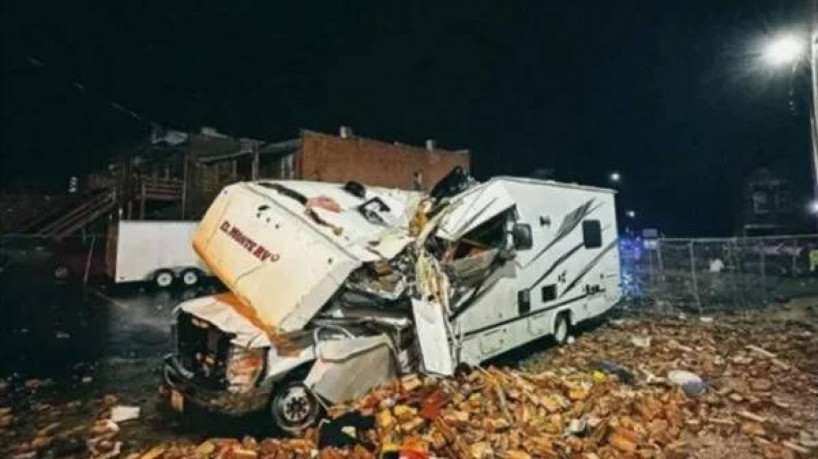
[769, 206]
[176, 175]
[213, 162]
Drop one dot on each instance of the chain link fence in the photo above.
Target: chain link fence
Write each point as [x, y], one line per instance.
[718, 274]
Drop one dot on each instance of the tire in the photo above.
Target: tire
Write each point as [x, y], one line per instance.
[190, 277]
[294, 408]
[562, 328]
[163, 278]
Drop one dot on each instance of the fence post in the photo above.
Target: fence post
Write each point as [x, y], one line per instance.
[693, 277]
[763, 275]
[88, 261]
[659, 259]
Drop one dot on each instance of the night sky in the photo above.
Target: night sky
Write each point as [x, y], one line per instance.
[668, 92]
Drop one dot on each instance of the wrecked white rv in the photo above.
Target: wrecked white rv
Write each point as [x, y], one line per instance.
[338, 288]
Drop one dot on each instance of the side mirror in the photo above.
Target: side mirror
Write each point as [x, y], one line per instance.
[521, 235]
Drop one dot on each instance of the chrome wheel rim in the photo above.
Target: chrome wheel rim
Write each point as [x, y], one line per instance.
[190, 278]
[295, 408]
[164, 280]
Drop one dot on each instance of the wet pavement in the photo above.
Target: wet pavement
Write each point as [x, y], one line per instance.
[65, 331]
[64, 348]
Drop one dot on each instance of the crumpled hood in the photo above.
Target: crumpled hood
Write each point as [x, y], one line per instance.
[220, 311]
[285, 247]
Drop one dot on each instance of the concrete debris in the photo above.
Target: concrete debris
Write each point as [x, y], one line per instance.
[748, 396]
[122, 413]
[601, 398]
[495, 413]
[569, 405]
[641, 341]
[690, 383]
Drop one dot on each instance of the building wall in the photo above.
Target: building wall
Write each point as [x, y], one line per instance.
[331, 158]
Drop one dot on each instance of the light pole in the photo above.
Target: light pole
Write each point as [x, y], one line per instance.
[794, 50]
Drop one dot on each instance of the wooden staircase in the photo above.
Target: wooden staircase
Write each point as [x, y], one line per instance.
[88, 210]
[70, 216]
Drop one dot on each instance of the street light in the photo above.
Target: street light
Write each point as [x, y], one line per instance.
[615, 177]
[630, 213]
[785, 50]
[794, 49]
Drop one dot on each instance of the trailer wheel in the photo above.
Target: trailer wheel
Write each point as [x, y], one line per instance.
[562, 328]
[61, 272]
[294, 408]
[190, 277]
[163, 278]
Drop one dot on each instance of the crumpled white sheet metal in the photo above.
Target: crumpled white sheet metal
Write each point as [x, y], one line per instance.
[432, 335]
[227, 319]
[473, 208]
[222, 315]
[278, 260]
[366, 240]
[346, 369]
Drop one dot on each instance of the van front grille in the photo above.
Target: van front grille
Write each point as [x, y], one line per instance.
[202, 350]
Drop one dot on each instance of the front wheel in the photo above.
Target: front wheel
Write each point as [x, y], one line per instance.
[294, 408]
[562, 328]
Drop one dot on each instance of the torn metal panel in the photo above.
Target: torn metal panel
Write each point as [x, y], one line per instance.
[432, 335]
[473, 208]
[472, 269]
[348, 368]
[218, 311]
[280, 364]
[254, 234]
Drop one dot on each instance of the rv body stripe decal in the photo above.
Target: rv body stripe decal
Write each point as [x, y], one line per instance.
[588, 267]
[556, 264]
[525, 316]
[569, 223]
[479, 292]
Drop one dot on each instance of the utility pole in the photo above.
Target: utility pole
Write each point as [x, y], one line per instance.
[813, 113]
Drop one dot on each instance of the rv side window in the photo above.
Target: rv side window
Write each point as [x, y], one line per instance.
[549, 293]
[592, 234]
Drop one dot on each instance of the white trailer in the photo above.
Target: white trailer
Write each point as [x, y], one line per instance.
[337, 288]
[160, 252]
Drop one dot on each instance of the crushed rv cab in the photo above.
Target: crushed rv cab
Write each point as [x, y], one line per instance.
[336, 288]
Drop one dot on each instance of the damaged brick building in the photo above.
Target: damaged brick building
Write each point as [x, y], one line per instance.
[175, 175]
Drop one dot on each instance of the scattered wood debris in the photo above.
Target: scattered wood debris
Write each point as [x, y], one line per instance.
[598, 398]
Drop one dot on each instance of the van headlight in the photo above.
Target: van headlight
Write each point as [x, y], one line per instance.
[244, 367]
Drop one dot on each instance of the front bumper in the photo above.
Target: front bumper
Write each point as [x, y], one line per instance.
[180, 391]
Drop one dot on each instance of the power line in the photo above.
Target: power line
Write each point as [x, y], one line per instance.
[83, 88]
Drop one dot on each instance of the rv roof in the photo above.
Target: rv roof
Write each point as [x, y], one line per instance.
[575, 186]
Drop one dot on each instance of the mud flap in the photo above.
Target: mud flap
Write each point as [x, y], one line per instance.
[432, 336]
